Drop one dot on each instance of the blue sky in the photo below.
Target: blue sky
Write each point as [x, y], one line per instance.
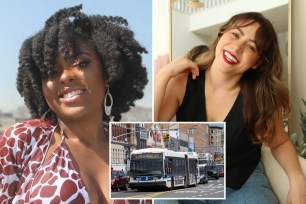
[20, 19]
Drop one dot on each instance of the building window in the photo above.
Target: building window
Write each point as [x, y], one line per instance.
[192, 131]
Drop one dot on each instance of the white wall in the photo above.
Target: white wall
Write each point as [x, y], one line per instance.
[298, 69]
[182, 39]
[224, 12]
[283, 39]
[161, 28]
[161, 33]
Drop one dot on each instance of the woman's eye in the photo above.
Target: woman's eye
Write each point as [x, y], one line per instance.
[251, 48]
[235, 35]
[82, 64]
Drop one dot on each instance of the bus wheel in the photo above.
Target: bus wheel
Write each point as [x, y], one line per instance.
[195, 181]
[172, 183]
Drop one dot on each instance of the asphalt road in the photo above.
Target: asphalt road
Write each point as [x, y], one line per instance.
[213, 189]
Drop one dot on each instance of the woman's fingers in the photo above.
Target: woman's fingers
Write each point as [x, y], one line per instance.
[183, 64]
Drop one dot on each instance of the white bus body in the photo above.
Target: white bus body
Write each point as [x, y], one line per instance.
[162, 167]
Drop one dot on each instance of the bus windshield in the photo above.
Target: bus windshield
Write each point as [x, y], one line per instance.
[202, 161]
[146, 166]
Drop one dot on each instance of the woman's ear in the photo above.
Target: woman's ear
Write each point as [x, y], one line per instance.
[256, 65]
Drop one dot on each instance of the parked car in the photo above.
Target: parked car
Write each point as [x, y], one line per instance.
[221, 169]
[213, 171]
[203, 173]
[119, 181]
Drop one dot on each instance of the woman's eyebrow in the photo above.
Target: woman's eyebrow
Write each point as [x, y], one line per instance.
[78, 53]
[242, 33]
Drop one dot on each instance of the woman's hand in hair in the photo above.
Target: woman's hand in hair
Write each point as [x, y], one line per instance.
[169, 85]
[181, 65]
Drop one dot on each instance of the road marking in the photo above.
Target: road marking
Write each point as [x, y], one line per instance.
[151, 195]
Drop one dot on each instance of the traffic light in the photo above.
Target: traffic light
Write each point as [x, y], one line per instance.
[166, 137]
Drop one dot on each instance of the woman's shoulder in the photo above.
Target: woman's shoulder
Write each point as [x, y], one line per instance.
[29, 127]
[182, 81]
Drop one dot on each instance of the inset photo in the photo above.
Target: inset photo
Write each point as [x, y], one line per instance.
[167, 160]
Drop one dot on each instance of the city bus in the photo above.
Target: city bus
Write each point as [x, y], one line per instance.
[154, 167]
[205, 158]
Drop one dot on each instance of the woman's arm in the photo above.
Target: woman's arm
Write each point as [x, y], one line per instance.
[168, 83]
[284, 152]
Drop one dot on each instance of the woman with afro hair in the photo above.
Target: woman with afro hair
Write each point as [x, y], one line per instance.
[75, 74]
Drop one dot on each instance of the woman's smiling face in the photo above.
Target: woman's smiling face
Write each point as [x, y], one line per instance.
[78, 87]
[236, 50]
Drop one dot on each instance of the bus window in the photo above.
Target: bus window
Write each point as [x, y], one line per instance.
[146, 167]
[168, 165]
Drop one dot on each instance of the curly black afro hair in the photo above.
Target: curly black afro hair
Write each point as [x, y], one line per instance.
[113, 42]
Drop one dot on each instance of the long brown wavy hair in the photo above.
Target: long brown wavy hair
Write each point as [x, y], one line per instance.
[263, 91]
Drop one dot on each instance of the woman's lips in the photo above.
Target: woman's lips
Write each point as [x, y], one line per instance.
[70, 95]
[230, 58]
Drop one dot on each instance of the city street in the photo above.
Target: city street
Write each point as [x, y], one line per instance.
[212, 189]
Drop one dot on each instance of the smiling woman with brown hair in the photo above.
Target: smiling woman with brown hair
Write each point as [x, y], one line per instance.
[75, 74]
[238, 81]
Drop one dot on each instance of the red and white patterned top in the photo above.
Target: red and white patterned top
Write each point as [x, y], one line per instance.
[26, 176]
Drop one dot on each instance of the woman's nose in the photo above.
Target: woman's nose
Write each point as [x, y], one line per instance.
[238, 46]
[68, 74]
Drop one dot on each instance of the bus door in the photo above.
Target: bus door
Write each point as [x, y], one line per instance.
[168, 167]
[187, 179]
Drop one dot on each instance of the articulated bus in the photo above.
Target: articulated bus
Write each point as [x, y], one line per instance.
[154, 167]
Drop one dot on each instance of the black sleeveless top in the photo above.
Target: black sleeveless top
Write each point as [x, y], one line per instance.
[241, 155]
